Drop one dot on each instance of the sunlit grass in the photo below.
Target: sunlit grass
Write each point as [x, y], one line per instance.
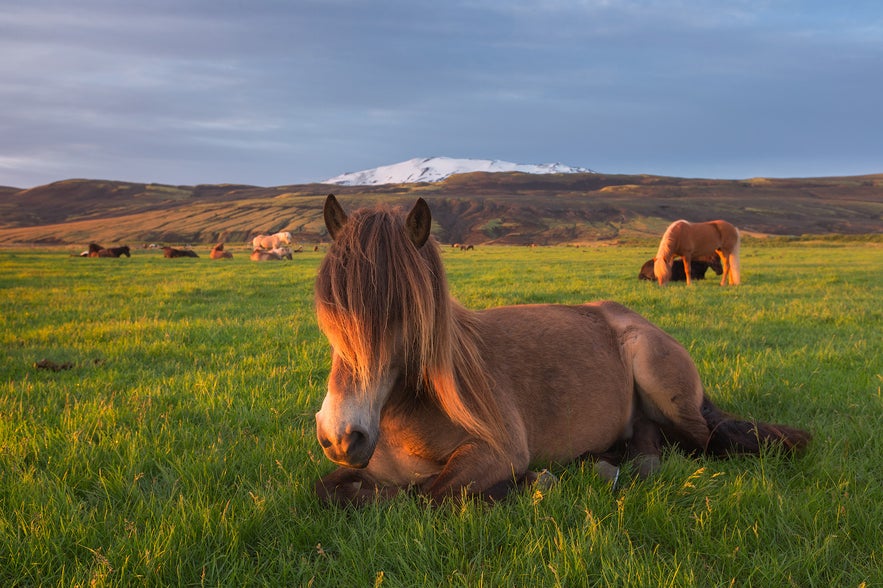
[179, 448]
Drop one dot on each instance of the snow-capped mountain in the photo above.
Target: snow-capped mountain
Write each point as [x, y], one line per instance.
[434, 169]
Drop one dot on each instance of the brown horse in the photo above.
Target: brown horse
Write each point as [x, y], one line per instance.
[426, 394]
[691, 240]
[171, 252]
[218, 252]
[96, 250]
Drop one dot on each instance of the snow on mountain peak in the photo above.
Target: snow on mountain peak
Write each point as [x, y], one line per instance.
[434, 169]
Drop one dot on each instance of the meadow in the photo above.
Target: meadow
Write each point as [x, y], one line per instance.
[177, 448]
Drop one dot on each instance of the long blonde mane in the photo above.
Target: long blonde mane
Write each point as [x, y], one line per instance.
[378, 295]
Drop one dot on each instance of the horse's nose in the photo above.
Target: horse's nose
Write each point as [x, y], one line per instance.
[352, 447]
[354, 441]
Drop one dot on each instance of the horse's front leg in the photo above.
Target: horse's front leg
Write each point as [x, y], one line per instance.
[348, 486]
[477, 470]
[686, 261]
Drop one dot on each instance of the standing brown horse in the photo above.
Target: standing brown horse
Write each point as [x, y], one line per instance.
[690, 240]
[424, 393]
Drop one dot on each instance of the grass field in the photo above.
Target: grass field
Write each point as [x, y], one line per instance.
[179, 447]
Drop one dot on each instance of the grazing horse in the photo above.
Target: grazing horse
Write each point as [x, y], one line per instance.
[698, 267]
[691, 240]
[171, 252]
[426, 394]
[219, 253]
[271, 241]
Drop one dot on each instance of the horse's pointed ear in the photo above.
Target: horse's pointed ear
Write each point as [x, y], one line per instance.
[419, 223]
[335, 217]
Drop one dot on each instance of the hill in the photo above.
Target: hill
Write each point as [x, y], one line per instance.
[478, 207]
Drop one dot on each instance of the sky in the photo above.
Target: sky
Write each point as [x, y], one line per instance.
[273, 92]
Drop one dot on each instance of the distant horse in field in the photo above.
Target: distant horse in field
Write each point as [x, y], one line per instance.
[96, 250]
[115, 251]
[92, 250]
[271, 255]
[271, 241]
[219, 253]
[691, 240]
[698, 267]
[450, 402]
[171, 252]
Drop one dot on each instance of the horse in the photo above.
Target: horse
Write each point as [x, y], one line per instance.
[218, 252]
[425, 394]
[171, 252]
[271, 255]
[698, 267]
[96, 250]
[115, 251]
[92, 250]
[691, 240]
[271, 241]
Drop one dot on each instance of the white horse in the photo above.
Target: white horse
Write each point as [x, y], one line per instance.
[271, 241]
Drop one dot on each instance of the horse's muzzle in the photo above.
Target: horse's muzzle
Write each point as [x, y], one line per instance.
[351, 448]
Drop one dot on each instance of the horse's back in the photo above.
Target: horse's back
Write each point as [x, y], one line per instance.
[566, 366]
[562, 367]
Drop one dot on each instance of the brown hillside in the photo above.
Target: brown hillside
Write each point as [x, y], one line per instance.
[468, 208]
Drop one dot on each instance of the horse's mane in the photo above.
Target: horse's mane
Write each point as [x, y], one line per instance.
[373, 283]
[669, 240]
[667, 246]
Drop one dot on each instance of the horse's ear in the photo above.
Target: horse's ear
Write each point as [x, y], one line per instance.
[419, 223]
[335, 217]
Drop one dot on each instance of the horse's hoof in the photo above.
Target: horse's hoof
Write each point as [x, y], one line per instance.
[545, 480]
[647, 465]
[606, 470]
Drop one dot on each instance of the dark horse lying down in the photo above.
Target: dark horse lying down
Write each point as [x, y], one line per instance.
[428, 395]
[96, 250]
[698, 267]
[172, 252]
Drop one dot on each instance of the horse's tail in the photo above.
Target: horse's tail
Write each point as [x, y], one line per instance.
[731, 435]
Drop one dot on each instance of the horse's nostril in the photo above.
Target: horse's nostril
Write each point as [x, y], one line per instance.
[325, 442]
[353, 439]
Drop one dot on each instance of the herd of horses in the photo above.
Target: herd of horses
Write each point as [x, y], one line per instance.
[427, 396]
[265, 248]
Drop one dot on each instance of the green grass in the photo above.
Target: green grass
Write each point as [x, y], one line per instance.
[179, 449]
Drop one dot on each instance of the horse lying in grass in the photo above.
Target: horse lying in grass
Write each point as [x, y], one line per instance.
[218, 252]
[691, 240]
[96, 250]
[428, 395]
[272, 255]
[698, 267]
[171, 252]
